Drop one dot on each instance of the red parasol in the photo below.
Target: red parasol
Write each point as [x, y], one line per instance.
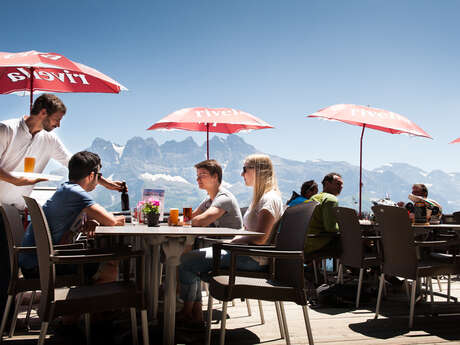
[379, 119]
[218, 120]
[50, 72]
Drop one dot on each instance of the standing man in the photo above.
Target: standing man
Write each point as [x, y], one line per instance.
[29, 136]
[220, 207]
[323, 219]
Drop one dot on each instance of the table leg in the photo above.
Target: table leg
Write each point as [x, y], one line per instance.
[173, 248]
[155, 284]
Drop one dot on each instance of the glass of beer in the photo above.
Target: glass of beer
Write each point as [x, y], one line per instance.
[29, 164]
[173, 216]
[187, 216]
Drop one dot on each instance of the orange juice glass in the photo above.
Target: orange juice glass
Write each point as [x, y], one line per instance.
[173, 216]
[29, 164]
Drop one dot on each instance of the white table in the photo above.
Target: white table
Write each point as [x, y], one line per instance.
[173, 240]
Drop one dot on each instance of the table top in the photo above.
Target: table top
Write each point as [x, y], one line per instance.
[437, 226]
[165, 230]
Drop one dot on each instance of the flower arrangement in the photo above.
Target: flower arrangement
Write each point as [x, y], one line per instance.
[149, 206]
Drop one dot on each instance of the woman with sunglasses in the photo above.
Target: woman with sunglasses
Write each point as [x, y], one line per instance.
[265, 209]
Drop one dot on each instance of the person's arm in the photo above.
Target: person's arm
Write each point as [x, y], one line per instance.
[208, 217]
[19, 181]
[111, 185]
[265, 222]
[102, 216]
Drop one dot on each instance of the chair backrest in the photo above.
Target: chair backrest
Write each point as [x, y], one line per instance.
[44, 250]
[456, 216]
[399, 253]
[14, 233]
[293, 229]
[350, 236]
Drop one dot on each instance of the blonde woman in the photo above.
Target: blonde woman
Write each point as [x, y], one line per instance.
[265, 209]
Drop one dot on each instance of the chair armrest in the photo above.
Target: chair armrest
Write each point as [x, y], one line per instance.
[25, 250]
[432, 243]
[371, 237]
[277, 254]
[87, 256]
[324, 235]
[69, 246]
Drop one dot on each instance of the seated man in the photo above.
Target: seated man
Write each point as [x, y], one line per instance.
[68, 206]
[220, 208]
[308, 189]
[422, 209]
[323, 219]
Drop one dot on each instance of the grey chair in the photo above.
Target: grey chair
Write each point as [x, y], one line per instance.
[352, 243]
[19, 284]
[400, 253]
[284, 280]
[84, 299]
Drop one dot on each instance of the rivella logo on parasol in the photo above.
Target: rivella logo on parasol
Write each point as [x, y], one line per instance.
[64, 76]
[216, 112]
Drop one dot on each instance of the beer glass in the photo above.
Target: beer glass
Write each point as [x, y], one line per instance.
[187, 216]
[29, 164]
[173, 216]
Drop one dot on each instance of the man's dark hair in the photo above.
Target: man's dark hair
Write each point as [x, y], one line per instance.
[212, 167]
[306, 186]
[423, 188]
[82, 164]
[50, 103]
[330, 177]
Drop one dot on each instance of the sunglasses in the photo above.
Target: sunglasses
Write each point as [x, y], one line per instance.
[245, 169]
[99, 174]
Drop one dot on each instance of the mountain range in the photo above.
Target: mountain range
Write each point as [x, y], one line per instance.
[143, 163]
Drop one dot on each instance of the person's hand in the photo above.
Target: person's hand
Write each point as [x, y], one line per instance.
[120, 220]
[400, 204]
[24, 181]
[89, 227]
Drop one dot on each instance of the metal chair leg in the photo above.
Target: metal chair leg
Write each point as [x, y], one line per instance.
[223, 322]
[248, 305]
[379, 296]
[339, 273]
[448, 288]
[439, 283]
[307, 324]
[29, 309]
[360, 283]
[324, 271]
[286, 331]
[88, 328]
[145, 327]
[9, 301]
[208, 326]
[261, 311]
[412, 304]
[43, 331]
[280, 319]
[430, 284]
[134, 326]
[15, 315]
[315, 271]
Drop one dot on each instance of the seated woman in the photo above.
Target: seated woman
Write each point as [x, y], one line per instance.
[265, 209]
[308, 189]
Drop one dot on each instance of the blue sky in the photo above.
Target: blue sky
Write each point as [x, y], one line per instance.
[278, 60]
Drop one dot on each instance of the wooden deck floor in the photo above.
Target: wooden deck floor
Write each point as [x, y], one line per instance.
[331, 326]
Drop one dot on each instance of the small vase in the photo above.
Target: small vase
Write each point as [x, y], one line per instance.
[153, 219]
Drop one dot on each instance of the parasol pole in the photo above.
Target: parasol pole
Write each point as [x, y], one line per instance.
[207, 140]
[31, 87]
[361, 169]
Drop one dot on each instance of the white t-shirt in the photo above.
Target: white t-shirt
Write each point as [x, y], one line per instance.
[16, 143]
[270, 201]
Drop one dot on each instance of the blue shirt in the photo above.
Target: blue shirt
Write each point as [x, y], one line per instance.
[61, 211]
[296, 201]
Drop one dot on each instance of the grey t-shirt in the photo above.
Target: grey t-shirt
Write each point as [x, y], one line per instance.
[225, 201]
